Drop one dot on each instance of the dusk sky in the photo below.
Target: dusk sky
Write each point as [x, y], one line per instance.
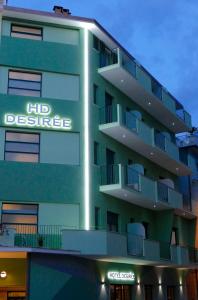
[160, 34]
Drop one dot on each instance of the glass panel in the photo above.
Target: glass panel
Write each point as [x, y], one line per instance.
[21, 219]
[20, 92]
[24, 76]
[32, 30]
[26, 36]
[160, 140]
[132, 178]
[13, 83]
[21, 157]
[22, 147]
[22, 137]
[24, 207]
[162, 192]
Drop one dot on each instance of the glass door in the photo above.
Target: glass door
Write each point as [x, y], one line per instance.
[120, 292]
[170, 293]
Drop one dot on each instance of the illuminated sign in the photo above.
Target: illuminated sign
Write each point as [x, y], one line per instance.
[38, 115]
[121, 276]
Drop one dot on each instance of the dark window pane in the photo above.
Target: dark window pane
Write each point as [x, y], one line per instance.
[28, 208]
[26, 36]
[22, 147]
[24, 76]
[20, 219]
[96, 43]
[97, 217]
[22, 137]
[24, 29]
[95, 94]
[22, 84]
[96, 153]
[19, 92]
[112, 221]
[21, 157]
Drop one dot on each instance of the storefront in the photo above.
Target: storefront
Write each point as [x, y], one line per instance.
[13, 276]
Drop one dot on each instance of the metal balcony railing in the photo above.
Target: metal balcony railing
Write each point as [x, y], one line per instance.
[42, 236]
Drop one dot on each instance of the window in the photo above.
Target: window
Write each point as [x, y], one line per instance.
[95, 94]
[97, 218]
[96, 153]
[120, 292]
[148, 291]
[26, 32]
[23, 217]
[23, 147]
[24, 83]
[112, 221]
[96, 43]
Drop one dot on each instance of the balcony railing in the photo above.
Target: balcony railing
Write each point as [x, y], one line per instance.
[115, 113]
[184, 116]
[128, 177]
[162, 191]
[187, 140]
[44, 236]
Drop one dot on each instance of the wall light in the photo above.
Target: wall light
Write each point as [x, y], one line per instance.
[3, 274]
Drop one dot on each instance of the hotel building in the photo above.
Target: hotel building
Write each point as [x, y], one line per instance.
[97, 194]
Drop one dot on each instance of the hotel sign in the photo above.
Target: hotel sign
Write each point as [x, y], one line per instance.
[38, 115]
[121, 276]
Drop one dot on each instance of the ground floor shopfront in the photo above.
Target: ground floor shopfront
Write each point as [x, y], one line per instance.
[70, 277]
[50, 276]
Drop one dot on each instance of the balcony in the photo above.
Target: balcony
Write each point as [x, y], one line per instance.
[126, 128]
[125, 183]
[188, 140]
[145, 248]
[95, 242]
[31, 236]
[129, 247]
[184, 255]
[132, 79]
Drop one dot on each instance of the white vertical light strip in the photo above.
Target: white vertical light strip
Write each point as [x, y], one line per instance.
[86, 133]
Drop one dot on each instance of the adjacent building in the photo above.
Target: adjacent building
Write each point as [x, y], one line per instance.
[95, 189]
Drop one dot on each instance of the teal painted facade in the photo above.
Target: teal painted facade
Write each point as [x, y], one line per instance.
[57, 183]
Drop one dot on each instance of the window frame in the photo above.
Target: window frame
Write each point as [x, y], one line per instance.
[26, 26]
[19, 142]
[23, 89]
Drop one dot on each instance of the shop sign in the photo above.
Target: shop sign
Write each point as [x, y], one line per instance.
[121, 276]
[38, 115]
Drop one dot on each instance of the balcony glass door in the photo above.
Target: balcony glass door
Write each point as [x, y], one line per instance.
[120, 292]
[108, 108]
[110, 159]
